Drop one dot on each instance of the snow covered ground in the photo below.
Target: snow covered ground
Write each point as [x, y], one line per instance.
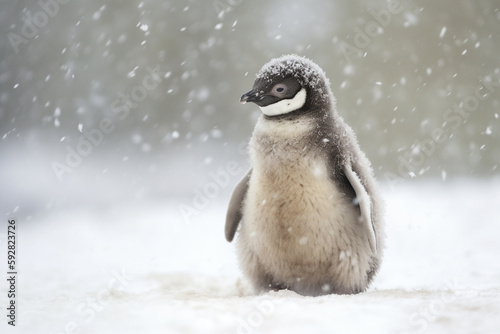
[139, 267]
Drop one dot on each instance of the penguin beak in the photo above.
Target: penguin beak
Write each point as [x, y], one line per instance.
[251, 96]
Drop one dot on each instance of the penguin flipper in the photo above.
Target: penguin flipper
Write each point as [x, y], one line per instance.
[234, 214]
[364, 201]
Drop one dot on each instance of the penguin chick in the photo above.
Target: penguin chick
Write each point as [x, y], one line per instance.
[308, 211]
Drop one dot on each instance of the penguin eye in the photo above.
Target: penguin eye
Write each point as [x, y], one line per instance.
[279, 89]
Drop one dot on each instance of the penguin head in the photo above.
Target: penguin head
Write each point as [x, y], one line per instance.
[290, 85]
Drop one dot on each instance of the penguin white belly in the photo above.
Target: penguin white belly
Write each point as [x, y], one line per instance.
[301, 228]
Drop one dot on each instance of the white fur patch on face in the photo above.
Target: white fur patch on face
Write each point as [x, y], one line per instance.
[286, 106]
